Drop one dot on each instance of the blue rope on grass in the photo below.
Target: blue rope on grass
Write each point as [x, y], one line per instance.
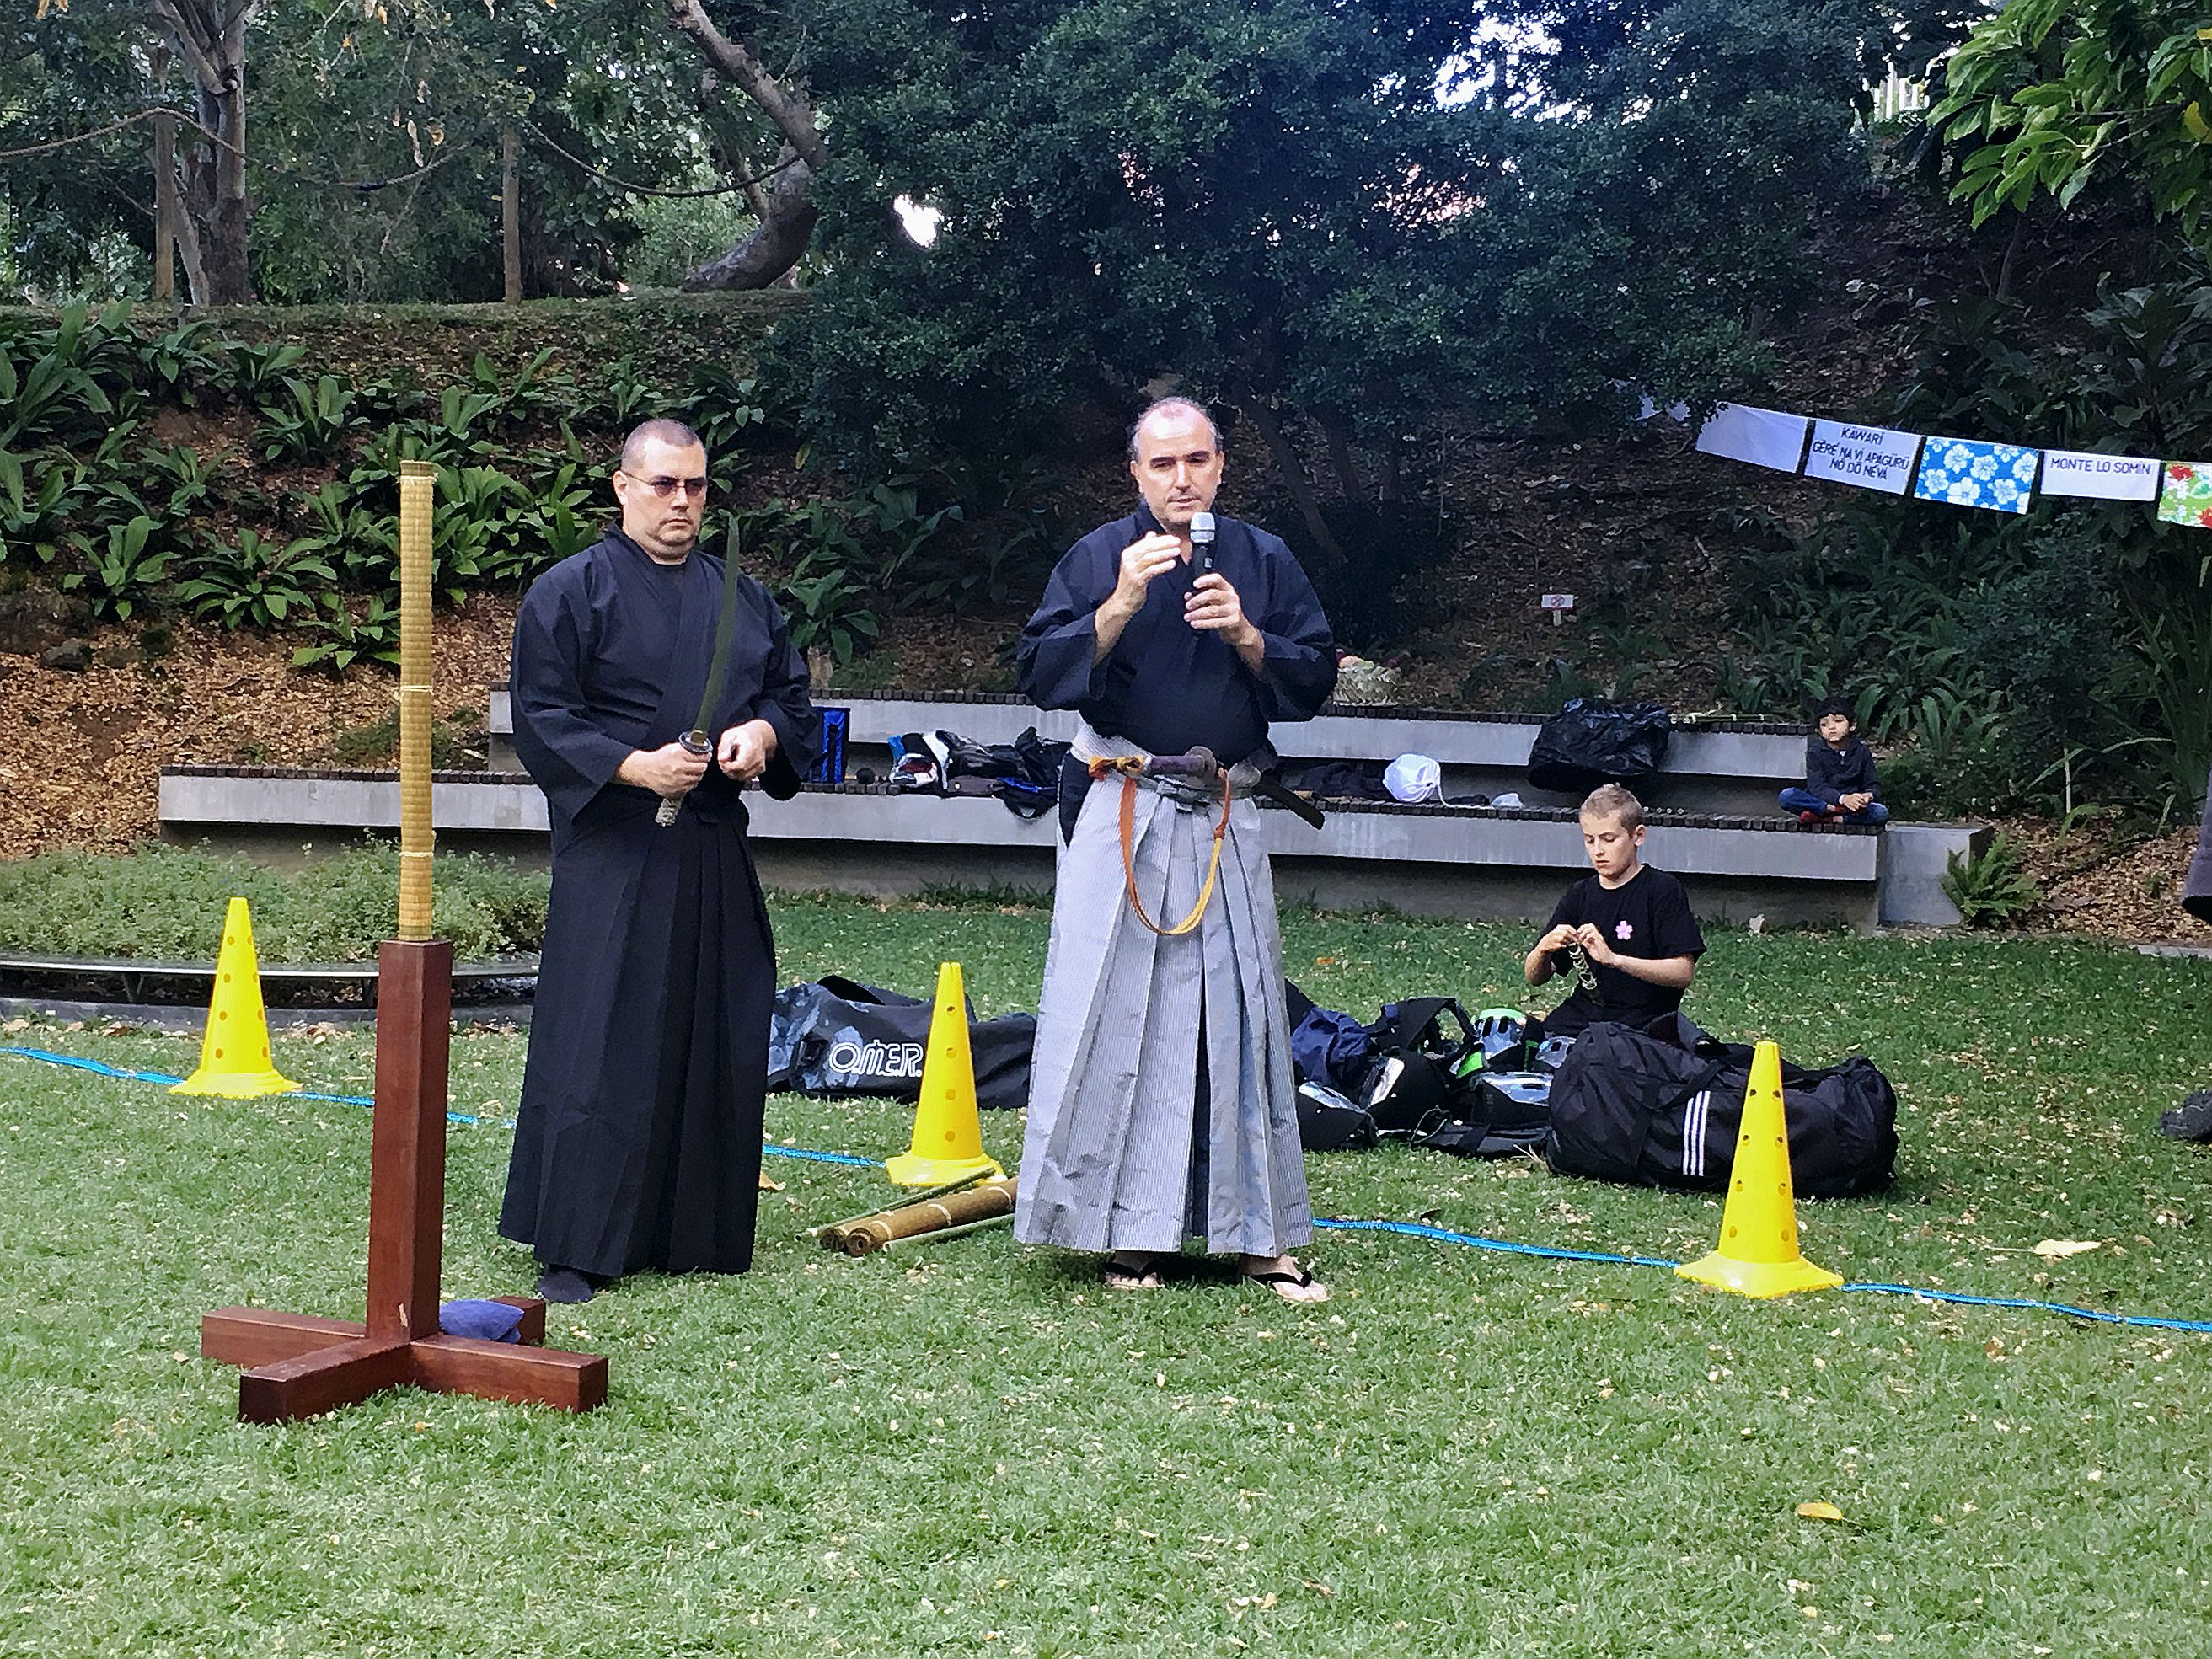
[2152, 1321]
[100, 1069]
[1408, 1228]
[1445, 1236]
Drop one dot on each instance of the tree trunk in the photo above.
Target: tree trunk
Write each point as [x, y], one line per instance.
[775, 245]
[1341, 460]
[1292, 471]
[165, 208]
[510, 216]
[210, 36]
[787, 218]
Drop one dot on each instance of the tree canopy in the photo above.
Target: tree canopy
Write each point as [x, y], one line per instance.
[2055, 96]
[367, 135]
[1295, 207]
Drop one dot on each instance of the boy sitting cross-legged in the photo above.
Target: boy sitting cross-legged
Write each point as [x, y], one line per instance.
[1839, 781]
[1626, 932]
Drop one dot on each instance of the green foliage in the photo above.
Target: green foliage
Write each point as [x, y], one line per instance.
[2059, 94]
[1990, 888]
[258, 371]
[120, 574]
[827, 609]
[256, 584]
[2023, 661]
[167, 903]
[343, 632]
[308, 422]
[2043, 640]
[517, 489]
[1957, 755]
[1270, 206]
[2163, 690]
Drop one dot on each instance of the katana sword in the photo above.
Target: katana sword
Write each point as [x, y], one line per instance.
[1201, 766]
[718, 672]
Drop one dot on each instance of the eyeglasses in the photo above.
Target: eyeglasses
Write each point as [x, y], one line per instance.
[696, 488]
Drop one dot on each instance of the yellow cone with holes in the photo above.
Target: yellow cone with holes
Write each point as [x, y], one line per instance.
[234, 1059]
[1758, 1254]
[948, 1131]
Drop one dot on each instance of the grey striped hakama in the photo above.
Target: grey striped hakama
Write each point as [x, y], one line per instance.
[1136, 1140]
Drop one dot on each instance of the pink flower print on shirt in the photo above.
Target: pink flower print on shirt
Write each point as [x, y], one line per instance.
[1624, 930]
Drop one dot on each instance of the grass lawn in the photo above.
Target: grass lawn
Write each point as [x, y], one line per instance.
[963, 1448]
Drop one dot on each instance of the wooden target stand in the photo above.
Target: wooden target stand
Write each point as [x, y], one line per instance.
[298, 1364]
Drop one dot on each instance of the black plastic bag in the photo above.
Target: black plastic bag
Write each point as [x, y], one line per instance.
[1591, 741]
[837, 1036]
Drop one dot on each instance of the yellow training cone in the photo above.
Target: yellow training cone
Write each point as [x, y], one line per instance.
[948, 1134]
[235, 1053]
[1758, 1252]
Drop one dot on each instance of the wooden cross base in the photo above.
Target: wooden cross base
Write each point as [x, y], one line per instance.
[299, 1364]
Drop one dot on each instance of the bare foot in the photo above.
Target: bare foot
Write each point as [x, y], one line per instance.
[1131, 1270]
[1283, 1275]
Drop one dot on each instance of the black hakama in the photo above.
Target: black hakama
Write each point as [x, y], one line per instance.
[638, 1142]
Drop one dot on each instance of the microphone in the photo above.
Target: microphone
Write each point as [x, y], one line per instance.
[1201, 541]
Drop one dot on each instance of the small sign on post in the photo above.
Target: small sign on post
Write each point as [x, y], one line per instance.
[1559, 604]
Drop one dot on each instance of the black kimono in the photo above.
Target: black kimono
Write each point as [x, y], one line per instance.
[1166, 686]
[638, 1143]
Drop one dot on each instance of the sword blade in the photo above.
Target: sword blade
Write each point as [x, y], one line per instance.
[726, 632]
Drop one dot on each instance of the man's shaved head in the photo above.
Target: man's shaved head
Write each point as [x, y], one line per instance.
[674, 434]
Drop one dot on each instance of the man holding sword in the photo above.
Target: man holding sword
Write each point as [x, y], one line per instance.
[651, 682]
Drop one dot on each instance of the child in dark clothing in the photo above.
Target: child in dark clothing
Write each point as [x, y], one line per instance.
[1840, 781]
[1626, 933]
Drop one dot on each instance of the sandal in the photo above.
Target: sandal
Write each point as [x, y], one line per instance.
[1293, 1283]
[1130, 1272]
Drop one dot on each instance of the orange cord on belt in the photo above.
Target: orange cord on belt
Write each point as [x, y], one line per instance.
[1129, 767]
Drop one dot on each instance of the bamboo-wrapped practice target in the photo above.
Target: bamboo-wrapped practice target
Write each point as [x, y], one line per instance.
[872, 1233]
[419, 482]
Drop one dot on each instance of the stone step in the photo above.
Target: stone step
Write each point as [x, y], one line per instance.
[872, 839]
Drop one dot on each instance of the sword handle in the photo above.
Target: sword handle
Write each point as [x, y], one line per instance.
[696, 742]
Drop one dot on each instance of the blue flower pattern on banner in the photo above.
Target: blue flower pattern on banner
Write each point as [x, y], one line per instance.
[1999, 477]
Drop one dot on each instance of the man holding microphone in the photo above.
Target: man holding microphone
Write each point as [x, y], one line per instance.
[1162, 1107]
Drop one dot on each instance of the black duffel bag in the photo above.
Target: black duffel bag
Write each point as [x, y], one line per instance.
[1662, 1107]
[837, 1036]
[1591, 741]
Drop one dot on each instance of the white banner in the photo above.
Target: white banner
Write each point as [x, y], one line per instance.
[1871, 457]
[2101, 478]
[1764, 437]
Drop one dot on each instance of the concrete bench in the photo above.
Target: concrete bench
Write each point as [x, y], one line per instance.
[1475, 862]
[1712, 766]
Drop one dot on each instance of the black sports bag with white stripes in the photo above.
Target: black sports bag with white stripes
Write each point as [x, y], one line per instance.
[1661, 1108]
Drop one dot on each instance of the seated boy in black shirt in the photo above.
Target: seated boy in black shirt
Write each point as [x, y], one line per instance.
[1625, 934]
